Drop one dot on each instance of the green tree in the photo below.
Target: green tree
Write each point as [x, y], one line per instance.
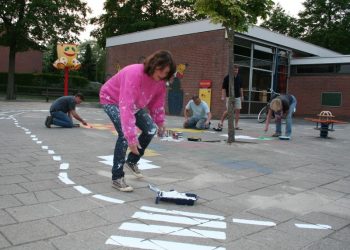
[124, 17]
[88, 65]
[98, 56]
[282, 23]
[234, 15]
[31, 24]
[327, 24]
[49, 57]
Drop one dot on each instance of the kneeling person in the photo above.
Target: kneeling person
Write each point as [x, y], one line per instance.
[201, 115]
[63, 109]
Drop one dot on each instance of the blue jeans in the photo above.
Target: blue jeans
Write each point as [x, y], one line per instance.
[148, 129]
[197, 123]
[292, 107]
[61, 119]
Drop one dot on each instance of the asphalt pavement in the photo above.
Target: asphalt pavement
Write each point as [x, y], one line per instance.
[257, 193]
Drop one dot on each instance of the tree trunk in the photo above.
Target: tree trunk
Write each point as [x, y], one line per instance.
[10, 92]
[230, 114]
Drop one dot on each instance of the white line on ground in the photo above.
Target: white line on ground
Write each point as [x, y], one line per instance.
[199, 215]
[109, 199]
[179, 231]
[179, 220]
[82, 190]
[155, 244]
[313, 226]
[255, 222]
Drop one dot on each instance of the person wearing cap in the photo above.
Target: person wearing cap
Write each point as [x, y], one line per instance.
[63, 109]
[282, 106]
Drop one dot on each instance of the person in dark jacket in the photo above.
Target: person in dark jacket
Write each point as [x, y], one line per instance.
[282, 106]
[62, 110]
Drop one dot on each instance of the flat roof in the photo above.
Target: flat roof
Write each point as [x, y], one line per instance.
[255, 32]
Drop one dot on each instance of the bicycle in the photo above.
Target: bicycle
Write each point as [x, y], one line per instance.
[263, 112]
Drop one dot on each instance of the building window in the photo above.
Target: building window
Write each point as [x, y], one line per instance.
[332, 99]
[321, 69]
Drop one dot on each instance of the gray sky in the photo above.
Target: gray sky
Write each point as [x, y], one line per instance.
[292, 7]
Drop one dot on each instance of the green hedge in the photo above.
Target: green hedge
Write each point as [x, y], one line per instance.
[36, 83]
[46, 80]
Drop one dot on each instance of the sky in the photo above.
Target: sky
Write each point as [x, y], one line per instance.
[292, 7]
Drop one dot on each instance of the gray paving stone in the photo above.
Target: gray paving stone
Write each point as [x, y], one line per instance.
[4, 242]
[27, 198]
[75, 205]
[33, 212]
[34, 246]
[8, 201]
[87, 239]
[46, 196]
[327, 244]
[5, 218]
[12, 171]
[78, 221]
[11, 189]
[42, 185]
[30, 231]
[41, 176]
[12, 179]
[342, 235]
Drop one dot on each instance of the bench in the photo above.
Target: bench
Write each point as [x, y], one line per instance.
[54, 92]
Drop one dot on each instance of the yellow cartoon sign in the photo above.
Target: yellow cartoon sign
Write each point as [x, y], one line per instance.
[67, 56]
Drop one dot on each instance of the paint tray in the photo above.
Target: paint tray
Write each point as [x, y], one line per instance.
[174, 196]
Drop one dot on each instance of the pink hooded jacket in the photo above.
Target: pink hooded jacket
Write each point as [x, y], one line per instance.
[131, 90]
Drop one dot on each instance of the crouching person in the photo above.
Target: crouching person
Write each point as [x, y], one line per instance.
[201, 115]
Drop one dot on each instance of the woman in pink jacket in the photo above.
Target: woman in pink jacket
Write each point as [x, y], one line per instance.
[125, 98]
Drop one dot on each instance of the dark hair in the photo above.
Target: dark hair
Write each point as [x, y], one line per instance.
[160, 60]
[195, 97]
[80, 95]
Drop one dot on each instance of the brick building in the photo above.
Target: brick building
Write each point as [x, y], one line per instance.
[318, 77]
[26, 62]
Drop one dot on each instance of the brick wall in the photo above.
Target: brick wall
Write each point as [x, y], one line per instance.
[205, 53]
[26, 62]
[308, 90]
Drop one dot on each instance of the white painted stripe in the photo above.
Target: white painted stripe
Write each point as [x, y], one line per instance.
[179, 231]
[51, 152]
[28, 133]
[179, 220]
[255, 222]
[44, 147]
[313, 226]
[82, 190]
[64, 178]
[39, 142]
[109, 199]
[206, 216]
[64, 166]
[155, 244]
[56, 158]
[34, 139]
[33, 136]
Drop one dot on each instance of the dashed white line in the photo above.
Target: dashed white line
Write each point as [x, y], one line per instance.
[82, 190]
[255, 222]
[109, 199]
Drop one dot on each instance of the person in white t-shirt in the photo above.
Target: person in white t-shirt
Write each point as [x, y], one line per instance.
[201, 115]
